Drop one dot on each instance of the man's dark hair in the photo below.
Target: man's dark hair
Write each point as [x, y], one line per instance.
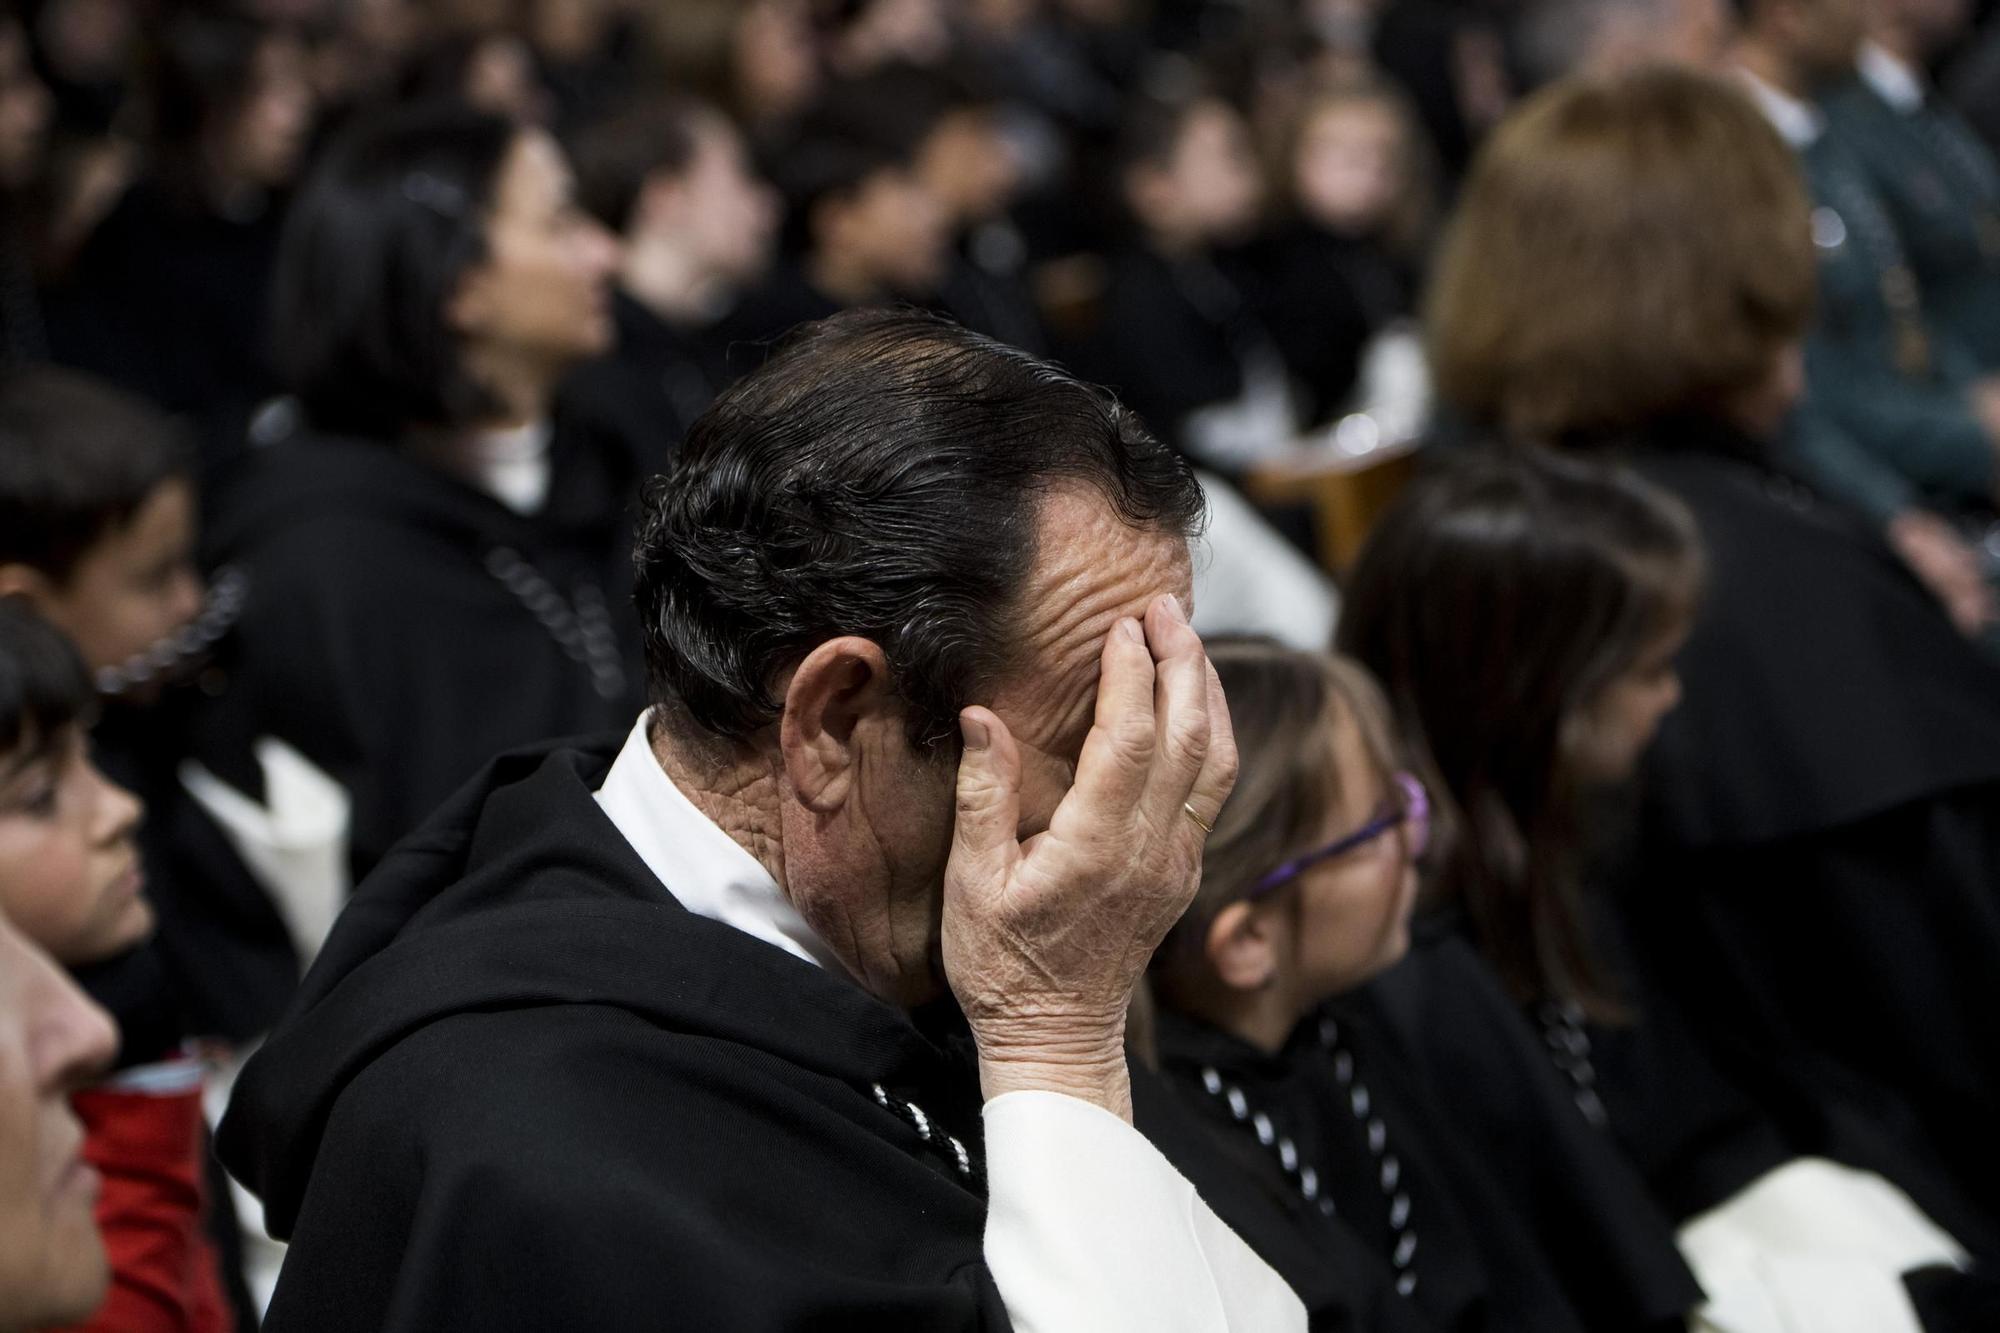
[376, 244]
[44, 690]
[617, 153]
[77, 460]
[880, 477]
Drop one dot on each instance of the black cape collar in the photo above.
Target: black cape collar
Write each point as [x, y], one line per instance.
[520, 893]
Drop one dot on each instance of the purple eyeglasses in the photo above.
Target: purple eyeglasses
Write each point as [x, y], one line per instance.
[1414, 810]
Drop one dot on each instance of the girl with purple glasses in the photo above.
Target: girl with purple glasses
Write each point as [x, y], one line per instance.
[1308, 884]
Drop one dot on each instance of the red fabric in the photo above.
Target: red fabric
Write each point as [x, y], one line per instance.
[148, 1148]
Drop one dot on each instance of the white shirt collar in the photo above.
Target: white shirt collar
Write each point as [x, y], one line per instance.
[1893, 80]
[709, 872]
[513, 465]
[1799, 122]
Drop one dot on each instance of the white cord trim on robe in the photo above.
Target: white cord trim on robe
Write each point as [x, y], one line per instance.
[1813, 1247]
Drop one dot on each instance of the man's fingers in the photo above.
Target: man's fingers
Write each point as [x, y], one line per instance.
[1181, 704]
[983, 834]
[1218, 766]
[1111, 771]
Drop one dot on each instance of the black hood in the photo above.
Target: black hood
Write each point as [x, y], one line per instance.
[519, 893]
[308, 477]
[594, 481]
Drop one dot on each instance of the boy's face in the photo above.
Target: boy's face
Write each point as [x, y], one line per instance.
[69, 866]
[136, 586]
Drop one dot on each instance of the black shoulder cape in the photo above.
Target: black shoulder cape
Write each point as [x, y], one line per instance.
[524, 1089]
[390, 634]
[1499, 1101]
[1818, 883]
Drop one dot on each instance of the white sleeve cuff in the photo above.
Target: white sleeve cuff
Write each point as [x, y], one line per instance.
[1088, 1227]
[1813, 1246]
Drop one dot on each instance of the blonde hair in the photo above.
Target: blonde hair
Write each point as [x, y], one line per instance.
[1625, 248]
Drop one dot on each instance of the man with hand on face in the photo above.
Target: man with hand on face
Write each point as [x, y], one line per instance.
[806, 1007]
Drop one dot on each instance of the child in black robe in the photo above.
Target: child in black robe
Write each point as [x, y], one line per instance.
[1526, 614]
[1308, 882]
[1342, 272]
[1180, 339]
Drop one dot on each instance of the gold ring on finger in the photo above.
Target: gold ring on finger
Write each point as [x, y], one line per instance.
[1199, 822]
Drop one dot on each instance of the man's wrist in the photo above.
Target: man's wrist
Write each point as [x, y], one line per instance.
[1088, 1064]
[1106, 1086]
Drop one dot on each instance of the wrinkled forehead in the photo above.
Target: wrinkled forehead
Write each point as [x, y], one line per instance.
[1091, 569]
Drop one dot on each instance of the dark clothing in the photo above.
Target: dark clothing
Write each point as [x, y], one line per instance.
[1885, 374]
[1177, 337]
[1820, 854]
[525, 1089]
[986, 289]
[1940, 183]
[169, 300]
[1345, 1287]
[1384, 1150]
[783, 301]
[221, 963]
[650, 389]
[402, 628]
[1323, 296]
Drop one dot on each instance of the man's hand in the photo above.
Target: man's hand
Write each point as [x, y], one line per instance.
[1044, 940]
[1946, 564]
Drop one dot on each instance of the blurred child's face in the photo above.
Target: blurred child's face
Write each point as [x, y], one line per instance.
[1349, 167]
[892, 229]
[52, 1266]
[1213, 175]
[720, 210]
[69, 864]
[1354, 910]
[269, 134]
[24, 110]
[969, 166]
[1613, 732]
[135, 586]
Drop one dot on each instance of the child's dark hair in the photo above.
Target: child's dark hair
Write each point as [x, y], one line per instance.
[44, 689]
[77, 460]
[1494, 603]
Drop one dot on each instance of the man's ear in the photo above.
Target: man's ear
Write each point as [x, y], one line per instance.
[838, 701]
[25, 582]
[1242, 946]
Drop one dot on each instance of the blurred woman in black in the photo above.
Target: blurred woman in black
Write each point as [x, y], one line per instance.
[437, 568]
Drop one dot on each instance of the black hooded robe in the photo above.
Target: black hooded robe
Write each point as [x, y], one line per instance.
[524, 1089]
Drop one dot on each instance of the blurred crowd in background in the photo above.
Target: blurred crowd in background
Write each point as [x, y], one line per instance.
[343, 338]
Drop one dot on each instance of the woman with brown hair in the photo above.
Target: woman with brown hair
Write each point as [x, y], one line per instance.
[1386, 1220]
[1819, 842]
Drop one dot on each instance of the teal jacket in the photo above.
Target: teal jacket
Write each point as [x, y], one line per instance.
[1941, 187]
[1904, 406]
